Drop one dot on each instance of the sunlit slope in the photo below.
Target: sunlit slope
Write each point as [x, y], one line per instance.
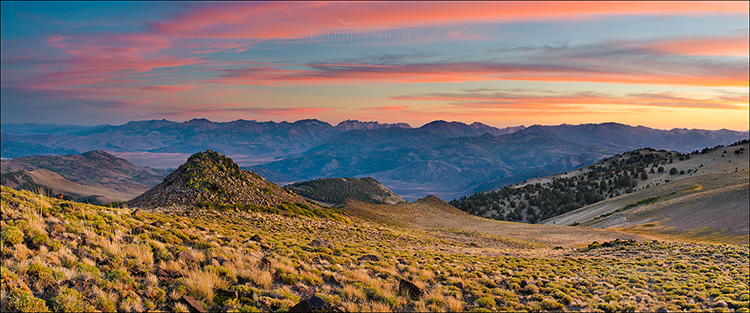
[710, 207]
[431, 213]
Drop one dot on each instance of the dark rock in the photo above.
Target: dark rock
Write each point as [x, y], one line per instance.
[173, 273]
[226, 293]
[221, 260]
[265, 263]
[135, 212]
[319, 243]
[559, 248]
[79, 286]
[313, 304]
[662, 310]
[255, 237]
[368, 257]
[138, 230]
[83, 254]
[157, 224]
[68, 206]
[194, 305]
[407, 288]
[302, 290]
[187, 257]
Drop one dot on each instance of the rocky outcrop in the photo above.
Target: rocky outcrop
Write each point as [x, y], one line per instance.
[209, 177]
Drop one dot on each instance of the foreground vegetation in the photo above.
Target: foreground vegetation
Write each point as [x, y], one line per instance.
[70, 257]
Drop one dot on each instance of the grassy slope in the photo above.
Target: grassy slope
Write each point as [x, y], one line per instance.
[434, 214]
[89, 257]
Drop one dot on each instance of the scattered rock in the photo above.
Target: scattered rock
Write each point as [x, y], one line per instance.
[407, 288]
[265, 263]
[83, 254]
[67, 205]
[193, 304]
[302, 290]
[368, 257]
[174, 273]
[313, 304]
[255, 237]
[187, 257]
[221, 260]
[319, 243]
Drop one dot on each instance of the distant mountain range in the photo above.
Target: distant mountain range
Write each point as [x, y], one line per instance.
[448, 159]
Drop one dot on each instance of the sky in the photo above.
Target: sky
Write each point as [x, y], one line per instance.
[657, 64]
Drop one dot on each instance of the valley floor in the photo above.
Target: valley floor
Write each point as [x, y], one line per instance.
[64, 256]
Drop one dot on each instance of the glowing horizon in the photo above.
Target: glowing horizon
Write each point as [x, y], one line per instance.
[657, 64]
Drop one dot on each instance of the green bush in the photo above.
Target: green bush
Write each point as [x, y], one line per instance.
[20, 300]
[11, 235]
[485, 302]
[70, 300]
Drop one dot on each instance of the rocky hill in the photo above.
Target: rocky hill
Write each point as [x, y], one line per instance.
[335, 190]
[210, 177]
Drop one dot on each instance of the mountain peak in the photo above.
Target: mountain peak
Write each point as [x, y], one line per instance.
[355, 124]
[209, 176]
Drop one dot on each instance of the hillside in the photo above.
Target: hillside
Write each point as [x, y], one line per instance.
[335, 190]
[705, 207]
[209, 177]
[75, 257]
[538, 199]
[94, 168]
[52, 184]
[435, 215]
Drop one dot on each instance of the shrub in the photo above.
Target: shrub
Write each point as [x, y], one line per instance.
[11, 235]
[70, 300]
[20, 300]
[485, 302]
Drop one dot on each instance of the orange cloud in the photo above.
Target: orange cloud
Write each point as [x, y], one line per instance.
[708, 46]
[283, 19]
[509, 100]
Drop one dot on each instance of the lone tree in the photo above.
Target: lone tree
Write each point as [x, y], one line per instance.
[661, 169]
[672, 171]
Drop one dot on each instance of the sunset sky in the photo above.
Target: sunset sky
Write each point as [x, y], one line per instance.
[657, 64]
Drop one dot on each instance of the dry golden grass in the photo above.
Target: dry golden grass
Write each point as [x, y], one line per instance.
[452, 272]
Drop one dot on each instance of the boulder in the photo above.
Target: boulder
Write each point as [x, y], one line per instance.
[320, 243]
[313, 304]
[226, 293]
[193, 304]
[407, 288]
[368, 257]
[187, 257]
[255, 237]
